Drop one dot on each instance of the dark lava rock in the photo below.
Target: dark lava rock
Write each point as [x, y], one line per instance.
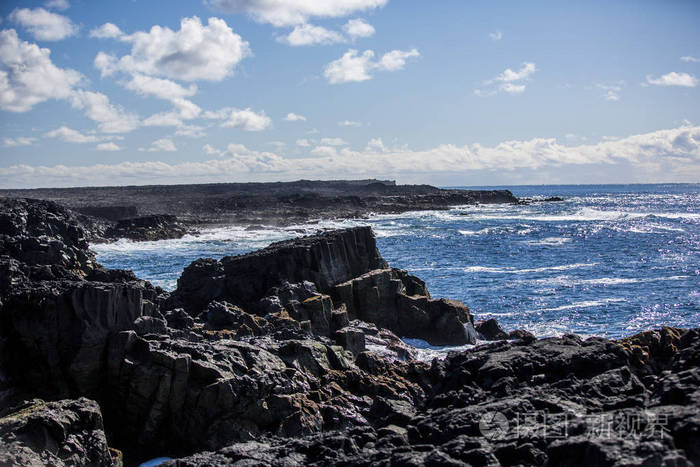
[148, 228]
[62, 433]
[490, 330]
[395, 300]
[324, 260]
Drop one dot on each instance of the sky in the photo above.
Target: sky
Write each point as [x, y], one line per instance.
[450, 92]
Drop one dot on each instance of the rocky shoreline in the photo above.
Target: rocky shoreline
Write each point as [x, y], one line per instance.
[170, 211]
[266, 358]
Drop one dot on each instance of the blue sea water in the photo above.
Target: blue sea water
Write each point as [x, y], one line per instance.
[610, 260]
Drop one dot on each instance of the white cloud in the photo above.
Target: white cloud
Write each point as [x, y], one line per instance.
[612, 91]
[161, 145]
[308, 34]
[191, 131]
[376, 144]
[195, 52]
[349, 123]
[352, 67]
[168, 90]
[245, 119]
[111, 118]
[356, 28]
[108, 147]
[164, 119]
[292, 117]
[519, 75]
[325, 151]
[396, 59]
[303, 143]
[674, 79]
[44, 25]
[28, 76]
[333, 142]
[689, 59]
[71, 136]
[664, 155]
[511, 88]
[19, 141]
[107, 31]
[57, 4]
[510, 81]
[496, 36]
[293, 12]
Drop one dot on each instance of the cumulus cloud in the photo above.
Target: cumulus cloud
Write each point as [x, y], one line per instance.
[352, 67]
[44, 25]
[108, 147]
[496, 36]
[194, 52]
[71, 136]
[107, 31]
[292, 117]
[243, 119]
[510, 81]
[294, 12]
[57, 4]
[161, 145]
[672, 154]
[674, 79]
[19, 141]
[308, 34]
[97, 107]
[28, 76]
[356, 28]
[303, 143]
[167, 90]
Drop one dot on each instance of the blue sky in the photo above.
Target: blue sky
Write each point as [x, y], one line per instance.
[448, 92]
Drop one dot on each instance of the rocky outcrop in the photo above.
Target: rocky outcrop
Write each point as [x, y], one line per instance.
[62, 433]
[315, 278]
[395, 300]
[44, 239]
[147, 228]
[324, 260]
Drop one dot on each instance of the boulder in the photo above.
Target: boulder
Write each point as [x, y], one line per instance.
[61, 433]
[490, 330]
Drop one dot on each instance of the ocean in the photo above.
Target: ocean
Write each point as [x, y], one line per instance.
[609, 260]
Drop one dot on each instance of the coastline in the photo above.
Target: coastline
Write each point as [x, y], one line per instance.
[180, 366]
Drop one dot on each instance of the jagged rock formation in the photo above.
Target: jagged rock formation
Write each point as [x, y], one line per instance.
[555, 401]
[63, 433]
[342, 268]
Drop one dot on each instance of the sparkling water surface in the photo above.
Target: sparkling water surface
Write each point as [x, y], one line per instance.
[610, 260]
